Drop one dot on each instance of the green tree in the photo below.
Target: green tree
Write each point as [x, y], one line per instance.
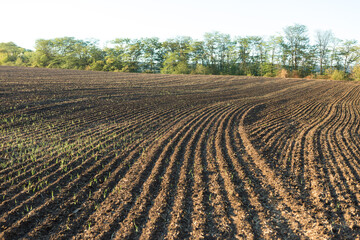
[350, 53]
[152, 55]
[323, 39]
[273, 60]
[44, 53]
[356, 73]
[296, 41]
[175, 64]
[12, 54]
[218, 52]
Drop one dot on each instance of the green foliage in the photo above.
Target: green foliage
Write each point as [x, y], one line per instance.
[96, 66]
[201, 69]
[175, 64]
[289, 55]
[338, 75]
[296, 44]
[356, 73]
[11, 54]
[268, 70]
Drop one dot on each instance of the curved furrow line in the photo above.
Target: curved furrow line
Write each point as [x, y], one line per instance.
[92, 170]
[85, 208]
[202, 221]
[202, 198]
[340, 176]
[320, 142]
[236, 162]
[279, 150]
[296, 114]
[169, 202]
[275, 119]
[53, 149]
[315, 175]
[152, 164]
[44, 163]
[350, 134]
[84, 134]
[266, 215]
[109, 131]
[39, 132]
[275, 225]
[298, 153]
[233, 184]
[277, 138]
[343, 137]
[276, 147]
[312, 226]
[54, 165]
[35, 136]
[51, 191]
[146, 120]
[170, 178]
[354, 134]
[347, 156]
[222, 210]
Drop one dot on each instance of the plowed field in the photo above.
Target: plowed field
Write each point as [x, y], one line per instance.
[94, 155]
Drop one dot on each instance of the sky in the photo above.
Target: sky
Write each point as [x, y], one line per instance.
[24, 21]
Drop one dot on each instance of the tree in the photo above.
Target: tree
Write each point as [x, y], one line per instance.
[218, 51]
[244, 50]
[273, 60]
[126, 55]
[335, 56]
[175, 64]
[44, 53]
[151, 55]
[296, 41]
[356, 73]
[12, 54]
[350, 53]
[323, 39]
[197, 54]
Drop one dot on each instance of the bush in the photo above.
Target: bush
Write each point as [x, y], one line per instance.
[201, 69]
[295, 74]
[96, 66]
[338, 75]
[322, 77]
[269, 74]
[311, 76]
[283, 73]
[356, 73]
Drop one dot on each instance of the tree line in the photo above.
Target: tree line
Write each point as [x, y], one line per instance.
[289, 54]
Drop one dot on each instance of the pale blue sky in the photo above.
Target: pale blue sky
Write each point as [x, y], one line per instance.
[24, 21]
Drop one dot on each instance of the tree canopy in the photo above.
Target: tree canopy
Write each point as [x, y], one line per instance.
[217, 53]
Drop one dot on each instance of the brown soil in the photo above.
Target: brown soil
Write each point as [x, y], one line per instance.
[95, 155]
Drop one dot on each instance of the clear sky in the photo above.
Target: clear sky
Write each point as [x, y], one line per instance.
[24, 21]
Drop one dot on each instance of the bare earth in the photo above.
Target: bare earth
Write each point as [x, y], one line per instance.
[95, 155]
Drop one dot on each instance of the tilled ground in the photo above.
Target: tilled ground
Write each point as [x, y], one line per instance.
[94, 155]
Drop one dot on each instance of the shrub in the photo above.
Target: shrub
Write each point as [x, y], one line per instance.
[295, 74]
[356, 73]
[283, 73]
[322, 76]
[311, 76]
[96, 66]
[338, 75]
[201, 69]
[269, 74]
